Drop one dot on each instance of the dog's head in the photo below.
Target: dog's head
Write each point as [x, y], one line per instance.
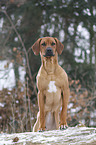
[47, 46]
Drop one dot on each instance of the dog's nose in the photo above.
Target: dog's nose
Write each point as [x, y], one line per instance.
[49, 50]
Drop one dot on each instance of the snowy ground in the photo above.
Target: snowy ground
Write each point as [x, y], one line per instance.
[71, 136]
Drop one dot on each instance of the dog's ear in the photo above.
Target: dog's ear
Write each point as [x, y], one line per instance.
[36, 47]
[59, 46]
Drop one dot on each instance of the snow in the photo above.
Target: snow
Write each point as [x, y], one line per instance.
[7, 76]
[2, 104]
[73, 135]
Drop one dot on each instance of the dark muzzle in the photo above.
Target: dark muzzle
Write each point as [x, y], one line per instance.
[49, 52]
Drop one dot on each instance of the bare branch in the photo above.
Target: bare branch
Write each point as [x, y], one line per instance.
[22, 43]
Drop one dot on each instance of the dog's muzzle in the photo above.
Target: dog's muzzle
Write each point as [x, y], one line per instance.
[49, 52]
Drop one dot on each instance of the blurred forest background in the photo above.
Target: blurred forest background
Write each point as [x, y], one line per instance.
[22, 22]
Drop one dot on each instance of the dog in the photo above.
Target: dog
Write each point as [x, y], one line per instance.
[52, 81]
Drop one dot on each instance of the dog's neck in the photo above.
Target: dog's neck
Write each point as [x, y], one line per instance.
[50, 63]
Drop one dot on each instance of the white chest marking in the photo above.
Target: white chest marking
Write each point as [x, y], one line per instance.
[52, 87]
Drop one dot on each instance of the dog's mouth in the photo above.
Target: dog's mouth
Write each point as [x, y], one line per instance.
[49, 52]
[48, 55]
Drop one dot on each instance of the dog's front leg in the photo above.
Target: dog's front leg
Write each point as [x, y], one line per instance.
[41, 111]
[63, 122]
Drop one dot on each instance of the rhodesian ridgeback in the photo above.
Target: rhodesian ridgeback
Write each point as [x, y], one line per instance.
[52, 81]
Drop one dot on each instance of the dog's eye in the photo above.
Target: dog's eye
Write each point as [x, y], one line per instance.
[52, 43]
[44, 44]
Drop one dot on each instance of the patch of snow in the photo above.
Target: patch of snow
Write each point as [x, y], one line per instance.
[17, 101]
[93, 113]
[2, 104]
[16, 39]
[0, 117]
[7, 76]
[1, 22]
[87, 12]
[73, 110]
[70, 105]
[61, 35]
[73, 135]
[32, 118]
[22, 73]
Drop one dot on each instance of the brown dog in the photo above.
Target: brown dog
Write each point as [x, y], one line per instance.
[52, 80]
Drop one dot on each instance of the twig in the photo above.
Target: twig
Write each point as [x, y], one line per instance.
[13, 108]
[29, 105]
[26, 110]
[7, 38]
[13, 26]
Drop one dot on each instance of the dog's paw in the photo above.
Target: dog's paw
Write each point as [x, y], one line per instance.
[63, 127]
[41, 130]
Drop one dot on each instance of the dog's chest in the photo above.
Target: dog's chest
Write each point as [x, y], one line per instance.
[53, 96]
[52, 87]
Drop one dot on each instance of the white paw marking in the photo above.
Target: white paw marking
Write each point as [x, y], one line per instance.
[52, 87]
